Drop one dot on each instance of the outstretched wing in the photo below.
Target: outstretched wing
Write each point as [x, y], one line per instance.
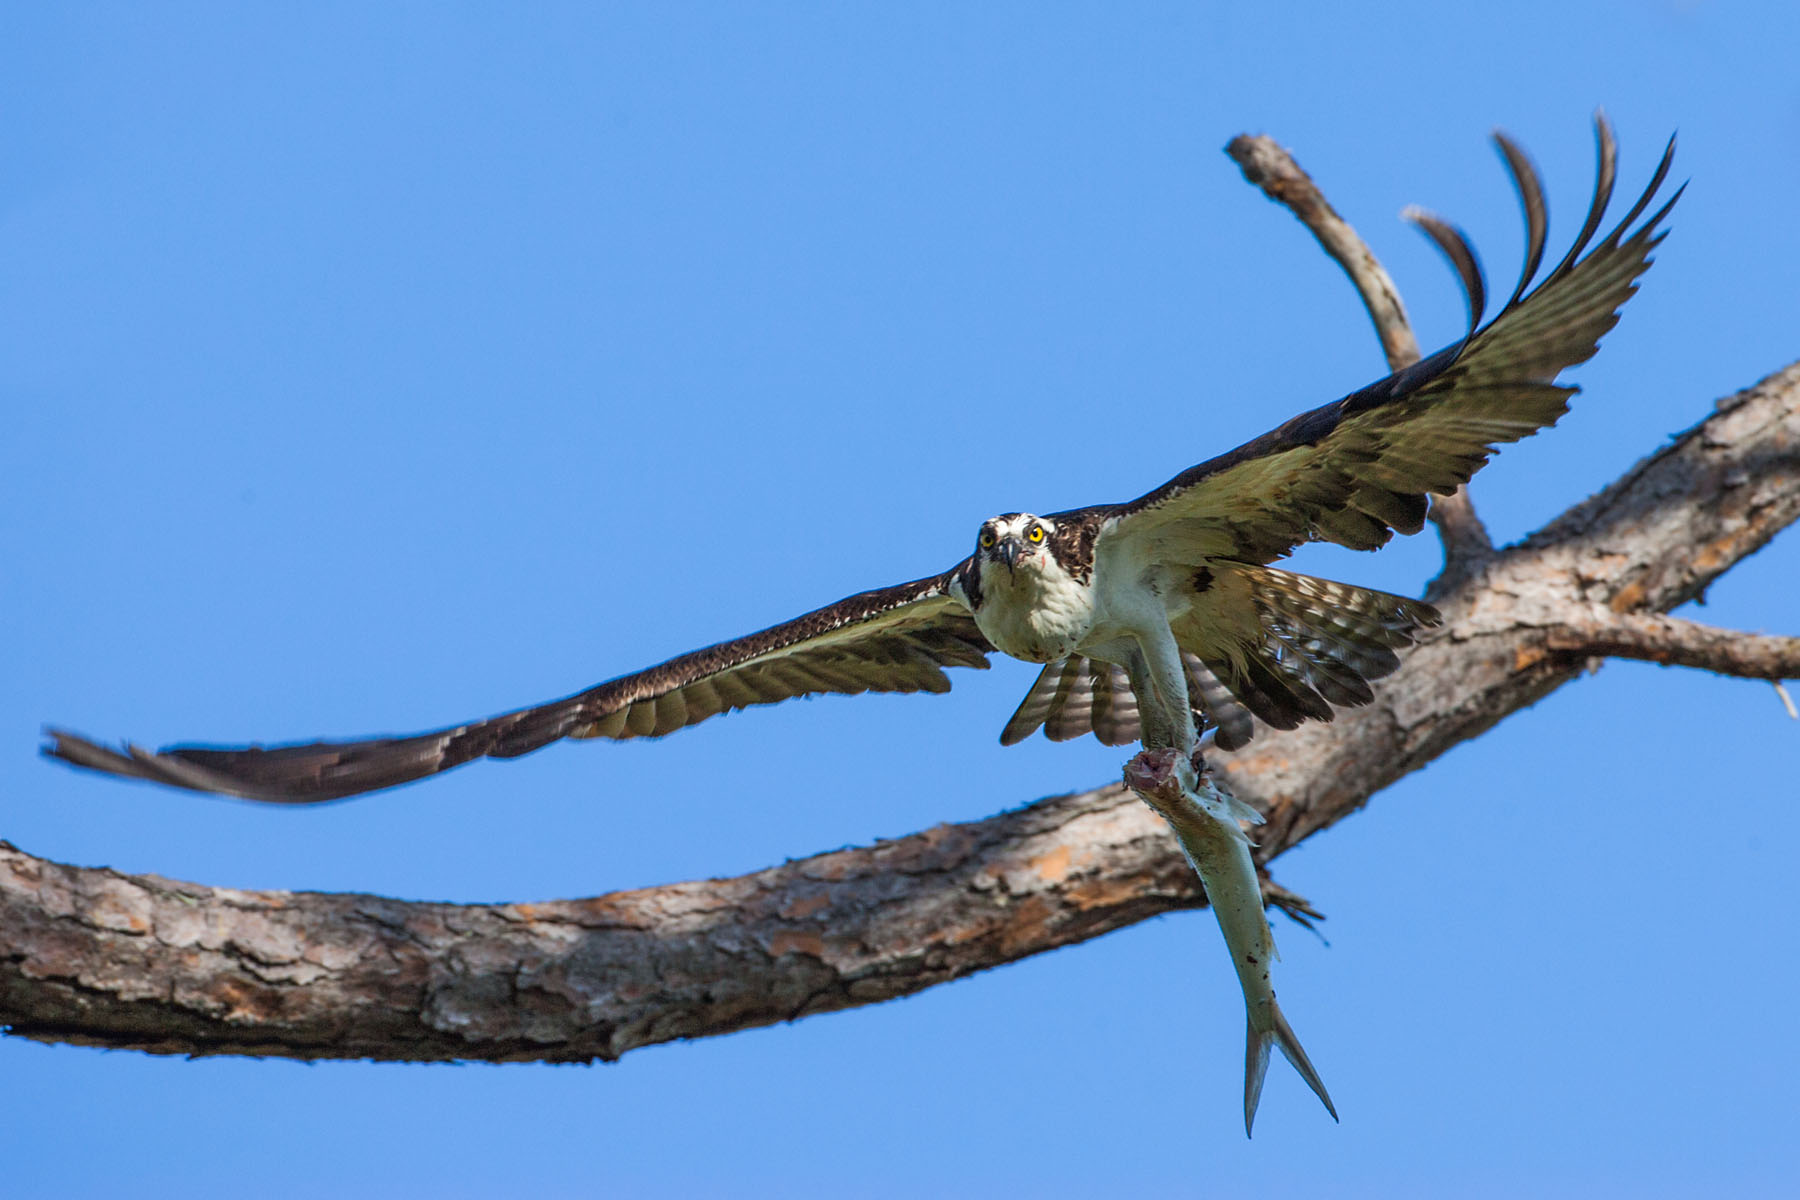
[895, 639]
[1356, 470]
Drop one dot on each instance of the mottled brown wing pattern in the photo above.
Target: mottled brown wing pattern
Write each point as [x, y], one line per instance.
[896, 639]
[1358, 469]
[1288, 648]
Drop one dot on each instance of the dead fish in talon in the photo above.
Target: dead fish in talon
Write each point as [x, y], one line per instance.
[1205, 818]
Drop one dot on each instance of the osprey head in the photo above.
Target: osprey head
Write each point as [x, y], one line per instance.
[1013, 540]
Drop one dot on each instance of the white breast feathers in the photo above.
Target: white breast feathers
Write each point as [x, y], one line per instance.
[1036, 611]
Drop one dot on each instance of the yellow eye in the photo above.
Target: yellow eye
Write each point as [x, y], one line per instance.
[987, 539]
[1036, 534]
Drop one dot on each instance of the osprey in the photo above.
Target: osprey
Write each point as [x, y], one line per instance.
[1156, 619]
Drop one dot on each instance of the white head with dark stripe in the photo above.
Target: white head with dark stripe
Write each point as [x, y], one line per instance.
[1014, 542]
[1026, 599]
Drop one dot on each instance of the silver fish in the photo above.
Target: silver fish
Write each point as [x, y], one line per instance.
[1205, 818]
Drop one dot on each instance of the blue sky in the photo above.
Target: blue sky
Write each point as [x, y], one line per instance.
[372, 369]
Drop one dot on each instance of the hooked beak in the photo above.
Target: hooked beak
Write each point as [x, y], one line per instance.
[1009, 550]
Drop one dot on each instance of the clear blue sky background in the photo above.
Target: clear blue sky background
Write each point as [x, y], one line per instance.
[372, 370]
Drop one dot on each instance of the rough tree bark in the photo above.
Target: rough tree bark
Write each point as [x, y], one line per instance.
[95, 957]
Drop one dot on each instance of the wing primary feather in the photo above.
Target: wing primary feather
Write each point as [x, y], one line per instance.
[1537, 214]
[1644, 200]
[1606, 172]
[1455, 247]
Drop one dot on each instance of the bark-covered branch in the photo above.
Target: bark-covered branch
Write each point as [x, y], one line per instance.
[1270, 167]
[1672, 642]
[95, 957]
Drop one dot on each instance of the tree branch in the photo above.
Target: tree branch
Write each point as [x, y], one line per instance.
[1464, 536]
[1671, 641]
[1270, 167]
[95, 957]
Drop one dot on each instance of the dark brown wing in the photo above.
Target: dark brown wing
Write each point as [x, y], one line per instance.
[895, 639]
[1357, 469]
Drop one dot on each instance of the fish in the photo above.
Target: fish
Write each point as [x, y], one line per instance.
[1209, 822]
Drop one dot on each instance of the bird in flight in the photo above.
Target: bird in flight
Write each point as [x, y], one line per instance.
[1155, 619]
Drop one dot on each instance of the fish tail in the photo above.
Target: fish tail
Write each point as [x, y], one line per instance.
[1279, 1034]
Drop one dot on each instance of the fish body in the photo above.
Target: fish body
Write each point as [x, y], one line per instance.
[1206, 820]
